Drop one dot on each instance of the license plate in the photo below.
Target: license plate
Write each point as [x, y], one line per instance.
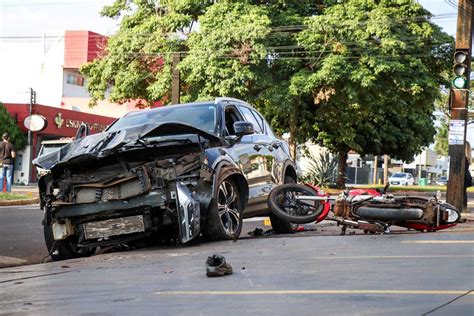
[113, 227]
[395, 182]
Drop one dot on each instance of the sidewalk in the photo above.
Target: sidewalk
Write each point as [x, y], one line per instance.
[25, 189]
[31, 190]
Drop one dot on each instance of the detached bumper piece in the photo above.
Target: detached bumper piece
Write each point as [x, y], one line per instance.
[189, 214]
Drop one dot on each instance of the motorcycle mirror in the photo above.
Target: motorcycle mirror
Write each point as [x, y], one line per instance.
[385, 188]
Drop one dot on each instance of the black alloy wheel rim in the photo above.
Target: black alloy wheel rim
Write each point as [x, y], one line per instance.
[228, 207]
[287, 201]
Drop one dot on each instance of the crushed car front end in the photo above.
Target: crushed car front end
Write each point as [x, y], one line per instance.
[127, 184]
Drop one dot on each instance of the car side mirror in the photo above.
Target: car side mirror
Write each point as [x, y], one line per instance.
[242, 128]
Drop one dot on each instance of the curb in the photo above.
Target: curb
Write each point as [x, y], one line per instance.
[19, 202]
[467, 216]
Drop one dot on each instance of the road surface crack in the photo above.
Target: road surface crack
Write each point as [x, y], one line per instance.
[33, 277]
[446, 304]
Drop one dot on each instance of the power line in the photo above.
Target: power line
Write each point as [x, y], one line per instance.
[47, 3]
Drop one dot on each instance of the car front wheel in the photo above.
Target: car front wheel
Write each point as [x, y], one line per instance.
[63, 249]
[224, 219]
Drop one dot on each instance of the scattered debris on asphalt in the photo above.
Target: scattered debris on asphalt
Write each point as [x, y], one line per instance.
[260, 232]
[217, 266]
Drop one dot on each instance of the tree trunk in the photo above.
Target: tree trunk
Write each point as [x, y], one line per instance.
[341, 170]
[293, 131]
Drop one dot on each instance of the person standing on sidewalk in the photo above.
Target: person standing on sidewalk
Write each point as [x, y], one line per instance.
[7, 157]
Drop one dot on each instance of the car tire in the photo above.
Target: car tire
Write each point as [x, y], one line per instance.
[224, 218]
[281, 226]
[62, 249]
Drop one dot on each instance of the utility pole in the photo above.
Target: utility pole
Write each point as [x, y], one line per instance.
[30, 142]
[459, 104]
[385, 169]
[30, 110]
[175, 81]
[374, 176]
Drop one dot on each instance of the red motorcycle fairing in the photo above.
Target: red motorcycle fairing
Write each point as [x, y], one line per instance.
[423, 227]
[327, 205]
[372, 192]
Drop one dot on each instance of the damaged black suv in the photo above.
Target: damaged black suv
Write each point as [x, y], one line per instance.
[184, 170]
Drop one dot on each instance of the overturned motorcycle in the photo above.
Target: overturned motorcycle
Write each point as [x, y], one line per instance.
[368, 210]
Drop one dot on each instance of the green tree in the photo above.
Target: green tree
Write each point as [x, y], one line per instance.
[376, 71]
[244, 49]
[441, 139]
[360, 74]
[9, 125]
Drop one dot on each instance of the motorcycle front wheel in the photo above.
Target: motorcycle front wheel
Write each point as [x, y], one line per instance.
[283, 202]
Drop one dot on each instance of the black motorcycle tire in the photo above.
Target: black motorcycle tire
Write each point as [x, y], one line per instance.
[293, 210]
[279, 225]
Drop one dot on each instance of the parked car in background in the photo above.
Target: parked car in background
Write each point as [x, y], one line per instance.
[443, 180]
[177, 171]
[51, 146]
[401, 178]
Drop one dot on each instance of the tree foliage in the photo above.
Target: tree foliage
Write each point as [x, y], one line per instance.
[357, 75]
[441, 140]
[8, 124]
[376, 71]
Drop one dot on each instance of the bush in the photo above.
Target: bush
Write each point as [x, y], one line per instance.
[322, 171]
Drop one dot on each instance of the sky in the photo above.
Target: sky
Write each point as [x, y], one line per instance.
[33, 18]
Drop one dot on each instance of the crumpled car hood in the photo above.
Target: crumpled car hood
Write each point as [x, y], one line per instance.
[106, 143]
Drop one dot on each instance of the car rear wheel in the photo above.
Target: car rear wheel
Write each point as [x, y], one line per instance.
[281, 226]
[224, 220]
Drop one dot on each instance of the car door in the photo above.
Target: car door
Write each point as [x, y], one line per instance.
[247, 153]
[279, 150]
[266, 152]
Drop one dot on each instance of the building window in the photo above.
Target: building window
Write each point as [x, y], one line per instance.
[75, 80]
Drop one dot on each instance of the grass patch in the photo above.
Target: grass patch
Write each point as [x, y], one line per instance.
[14, 196]
[427, 188]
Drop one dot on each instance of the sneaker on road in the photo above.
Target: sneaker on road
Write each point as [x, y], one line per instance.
[217, 266]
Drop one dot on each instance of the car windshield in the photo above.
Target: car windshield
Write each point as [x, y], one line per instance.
[399, 175]
[202, 116]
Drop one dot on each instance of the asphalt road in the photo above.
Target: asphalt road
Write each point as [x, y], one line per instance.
[396, 274]
[21, 235]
